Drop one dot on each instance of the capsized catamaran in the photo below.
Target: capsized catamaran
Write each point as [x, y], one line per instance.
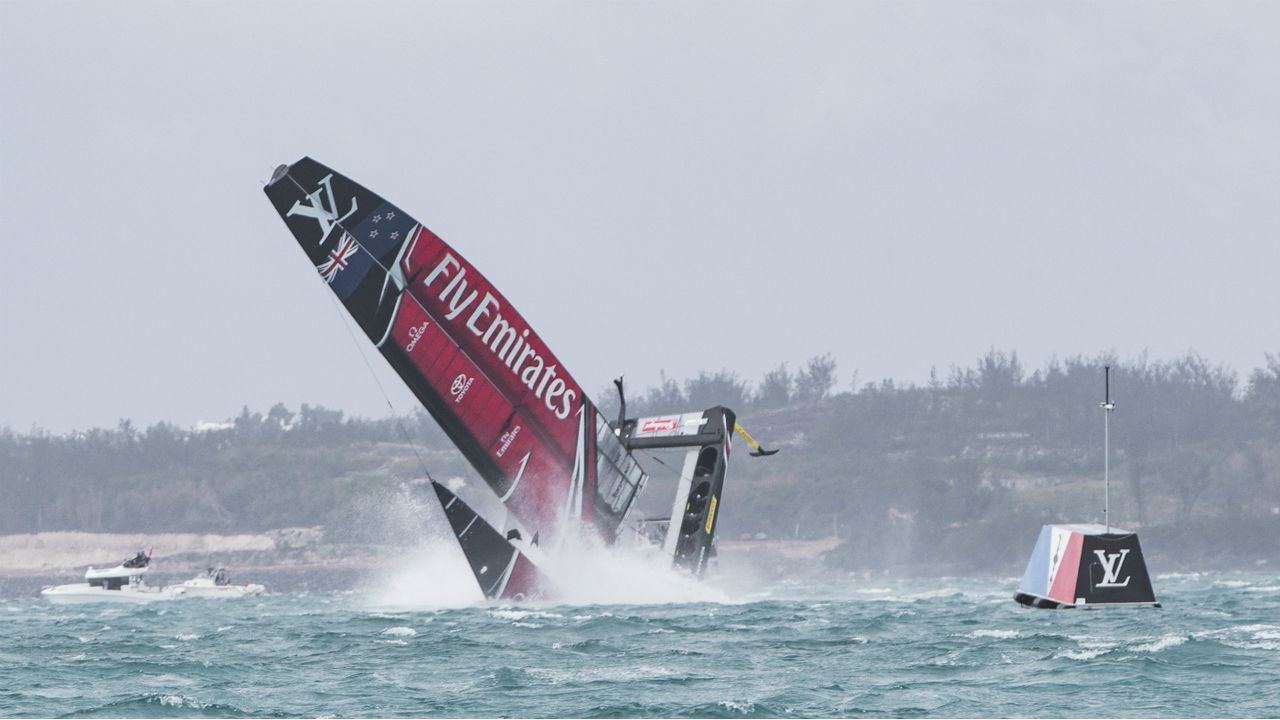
[500, 394]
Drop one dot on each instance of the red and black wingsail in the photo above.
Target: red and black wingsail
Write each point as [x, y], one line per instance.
[477, 366]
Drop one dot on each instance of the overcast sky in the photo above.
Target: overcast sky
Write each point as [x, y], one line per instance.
[675, 186]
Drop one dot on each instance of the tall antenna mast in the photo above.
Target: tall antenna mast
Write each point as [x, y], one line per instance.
[1107, 407]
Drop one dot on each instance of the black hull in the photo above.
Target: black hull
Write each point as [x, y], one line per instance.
[1031, 601]
[1039, 603]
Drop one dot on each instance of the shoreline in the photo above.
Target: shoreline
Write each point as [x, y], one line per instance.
[301, 558]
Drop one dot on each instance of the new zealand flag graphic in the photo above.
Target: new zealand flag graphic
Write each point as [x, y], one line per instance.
[373, 241]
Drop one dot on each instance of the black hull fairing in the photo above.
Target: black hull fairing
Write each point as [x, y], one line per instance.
[1031, 601]
[696, 544]
[691, 532]
[1039, 603]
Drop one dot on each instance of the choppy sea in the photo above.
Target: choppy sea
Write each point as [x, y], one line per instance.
[853, 647]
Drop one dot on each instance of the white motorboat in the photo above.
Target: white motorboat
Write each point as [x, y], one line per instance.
[123, 583]
[213, 583]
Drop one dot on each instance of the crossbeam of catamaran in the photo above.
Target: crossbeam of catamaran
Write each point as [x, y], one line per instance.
[543, 449]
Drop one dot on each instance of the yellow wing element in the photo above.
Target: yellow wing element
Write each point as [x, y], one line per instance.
[759, 451]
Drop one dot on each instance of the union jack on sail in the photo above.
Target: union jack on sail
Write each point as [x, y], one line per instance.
[338, 258]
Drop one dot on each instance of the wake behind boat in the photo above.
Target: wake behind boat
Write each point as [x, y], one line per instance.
[124, 583]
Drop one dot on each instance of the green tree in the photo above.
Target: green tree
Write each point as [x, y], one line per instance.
[815, 382]
[775, 388]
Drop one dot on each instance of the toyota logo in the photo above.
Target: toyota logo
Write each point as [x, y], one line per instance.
[459, 383]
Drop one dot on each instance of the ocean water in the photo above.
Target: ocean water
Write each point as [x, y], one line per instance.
[851, 647]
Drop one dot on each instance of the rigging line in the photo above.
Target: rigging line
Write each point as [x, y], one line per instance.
[394, 413]
[679, 473]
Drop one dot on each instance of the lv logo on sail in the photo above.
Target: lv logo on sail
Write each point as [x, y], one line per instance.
[325, 214]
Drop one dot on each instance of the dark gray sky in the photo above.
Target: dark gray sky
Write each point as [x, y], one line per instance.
[900, 184]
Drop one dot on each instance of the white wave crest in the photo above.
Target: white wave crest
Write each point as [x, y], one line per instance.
[592, 616]
[1256, 627]
[1081, 654]
[611, 673]
[512, 614]
[1162, 643]
[1089, 647]
[1001, 634]
[181, 701]
[1263, 589]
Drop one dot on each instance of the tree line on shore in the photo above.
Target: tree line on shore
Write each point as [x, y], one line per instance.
[955, 473]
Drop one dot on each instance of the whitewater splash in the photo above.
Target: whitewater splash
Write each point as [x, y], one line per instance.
[585, 572]
[433, 573]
